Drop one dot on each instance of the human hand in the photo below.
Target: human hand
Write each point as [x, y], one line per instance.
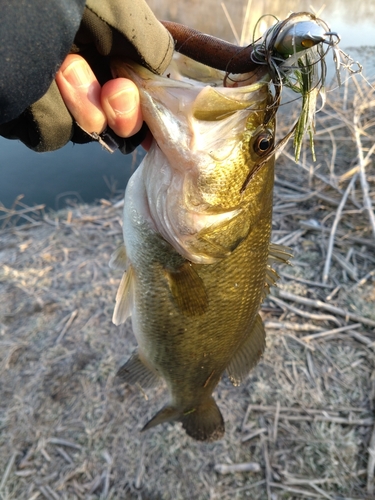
[124, 29]
[115, 104]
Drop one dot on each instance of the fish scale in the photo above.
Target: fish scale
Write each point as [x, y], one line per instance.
[196, 246]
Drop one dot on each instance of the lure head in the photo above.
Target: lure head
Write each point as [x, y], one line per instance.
[299, 32]
[299, 36]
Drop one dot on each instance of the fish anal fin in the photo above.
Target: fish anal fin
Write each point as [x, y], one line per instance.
[119, 259]
[188, 290]
[134, 371]
[124, 298]
[248, 354]
[204, 423]
[166, 414]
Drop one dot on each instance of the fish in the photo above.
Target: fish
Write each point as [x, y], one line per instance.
[197, 257]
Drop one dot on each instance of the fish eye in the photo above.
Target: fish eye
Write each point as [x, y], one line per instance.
[263, 143]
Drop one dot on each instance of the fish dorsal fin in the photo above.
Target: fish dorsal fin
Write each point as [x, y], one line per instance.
[270, 279]
[188, 289]
[248, 353]
[119, 259]
[277, 253]
[124, 298]
[135, 371]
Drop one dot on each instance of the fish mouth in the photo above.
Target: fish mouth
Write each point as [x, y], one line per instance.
[199, 131]
[200, 95]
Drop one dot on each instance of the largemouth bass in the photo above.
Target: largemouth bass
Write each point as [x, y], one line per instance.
[197, 246]
[197, 219]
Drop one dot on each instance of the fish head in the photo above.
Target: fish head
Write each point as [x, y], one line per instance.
[210, 169]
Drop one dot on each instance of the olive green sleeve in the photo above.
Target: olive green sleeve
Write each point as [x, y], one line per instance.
[129, 28]
[121, 28]
[46, 125]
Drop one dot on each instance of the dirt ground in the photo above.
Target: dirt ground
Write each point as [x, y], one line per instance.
[303, 423]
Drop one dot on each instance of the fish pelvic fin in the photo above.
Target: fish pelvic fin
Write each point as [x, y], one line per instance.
[188, 290]
[248, 354]
[124, 298]
[279, 254]
[134, 371]
[204, 423]
[119, 259]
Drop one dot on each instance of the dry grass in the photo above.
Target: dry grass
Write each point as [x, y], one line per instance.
[304, 418]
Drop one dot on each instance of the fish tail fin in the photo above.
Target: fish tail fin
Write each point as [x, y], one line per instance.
[205, 423]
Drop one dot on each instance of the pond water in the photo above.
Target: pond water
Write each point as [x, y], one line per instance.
[86, 173]
[80, 173]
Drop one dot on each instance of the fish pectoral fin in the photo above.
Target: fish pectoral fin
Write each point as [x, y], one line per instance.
[223, 237]
[204, 423]
[212, 249]
[248, 353]
[166, 414]
[134, 371]
[119, 259]
[188, 289]
[124, 298]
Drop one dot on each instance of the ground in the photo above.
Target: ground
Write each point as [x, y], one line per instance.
[304, 420]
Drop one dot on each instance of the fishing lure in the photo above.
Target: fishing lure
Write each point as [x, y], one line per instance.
[292, 51]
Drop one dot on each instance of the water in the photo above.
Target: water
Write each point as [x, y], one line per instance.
[83, 173]
[354, 20]
[87, 173]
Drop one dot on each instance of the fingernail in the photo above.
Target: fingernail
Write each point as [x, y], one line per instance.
[78, 75]
[123, 102]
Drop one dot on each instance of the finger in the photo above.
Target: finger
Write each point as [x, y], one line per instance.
[80, 91]
[120, 102]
